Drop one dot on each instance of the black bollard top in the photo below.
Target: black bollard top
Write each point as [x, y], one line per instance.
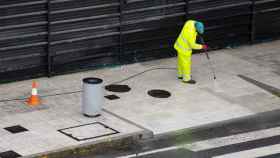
[92, 80]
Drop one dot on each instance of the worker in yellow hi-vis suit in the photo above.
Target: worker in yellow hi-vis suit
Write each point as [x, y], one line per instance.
[184, 45]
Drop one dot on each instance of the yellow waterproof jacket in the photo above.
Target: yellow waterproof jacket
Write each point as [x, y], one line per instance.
[187, 39]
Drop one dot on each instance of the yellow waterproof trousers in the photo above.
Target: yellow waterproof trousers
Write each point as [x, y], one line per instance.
[184, 65]
[184, 45]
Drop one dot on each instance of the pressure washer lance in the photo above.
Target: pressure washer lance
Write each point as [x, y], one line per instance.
[208, 57]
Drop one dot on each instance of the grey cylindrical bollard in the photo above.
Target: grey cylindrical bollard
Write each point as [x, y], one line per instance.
[92, 97]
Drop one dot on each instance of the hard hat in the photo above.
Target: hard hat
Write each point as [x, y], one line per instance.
[199, 27]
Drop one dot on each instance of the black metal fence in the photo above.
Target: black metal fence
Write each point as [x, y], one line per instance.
[48, 37]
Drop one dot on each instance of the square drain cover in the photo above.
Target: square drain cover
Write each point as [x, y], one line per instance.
[9, 154]
[112, 97]
[16, 129]
[88, 131]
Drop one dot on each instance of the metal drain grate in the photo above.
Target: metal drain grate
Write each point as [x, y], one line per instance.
[16, 129]
[88, 131]
[112, 97]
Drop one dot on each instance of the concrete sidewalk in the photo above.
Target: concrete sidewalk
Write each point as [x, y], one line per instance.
[136, 113]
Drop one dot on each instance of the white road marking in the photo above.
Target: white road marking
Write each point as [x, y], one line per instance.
[151, 152]
[233, 139]
[253, 153]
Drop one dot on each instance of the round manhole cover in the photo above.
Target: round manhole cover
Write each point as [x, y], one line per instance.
[118, 88]
[157, 93]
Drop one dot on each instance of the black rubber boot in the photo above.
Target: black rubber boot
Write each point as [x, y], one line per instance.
[190, 82]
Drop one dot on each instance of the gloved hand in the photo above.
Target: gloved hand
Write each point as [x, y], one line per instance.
[205, 47]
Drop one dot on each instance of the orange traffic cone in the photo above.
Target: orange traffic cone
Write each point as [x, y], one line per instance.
[34, 99]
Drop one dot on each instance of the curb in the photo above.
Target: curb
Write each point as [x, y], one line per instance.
[121, 143]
